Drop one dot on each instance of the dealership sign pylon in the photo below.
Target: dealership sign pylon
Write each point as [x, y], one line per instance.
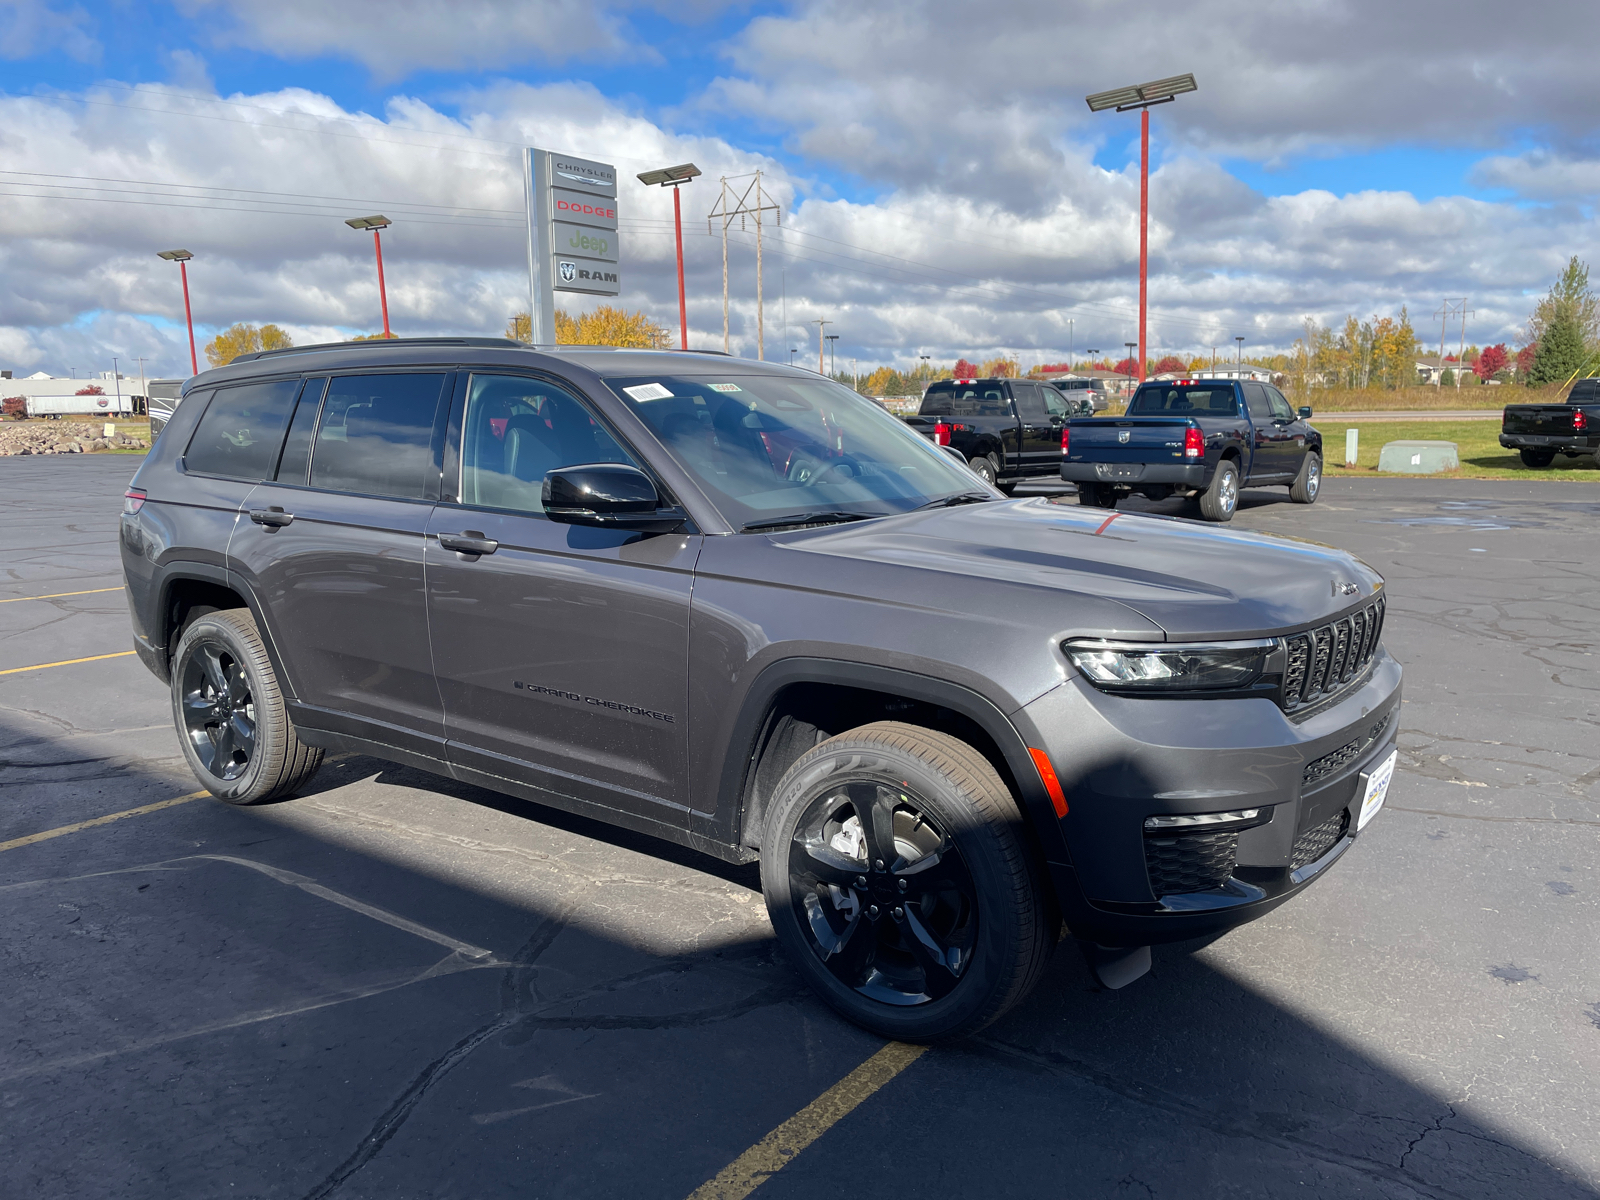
[572, 233]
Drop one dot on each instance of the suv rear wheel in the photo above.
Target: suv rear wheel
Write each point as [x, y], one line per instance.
[896, 881]
[230, 715]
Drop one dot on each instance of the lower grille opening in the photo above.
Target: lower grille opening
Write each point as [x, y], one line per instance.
[1319, 839]
[1194, 862]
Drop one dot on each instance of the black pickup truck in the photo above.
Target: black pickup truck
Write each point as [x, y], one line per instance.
[1539, 432]
[1008, 430]
[1203, 438]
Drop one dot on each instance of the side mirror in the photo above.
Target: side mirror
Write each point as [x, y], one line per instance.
[608, 495]
[1305, 412]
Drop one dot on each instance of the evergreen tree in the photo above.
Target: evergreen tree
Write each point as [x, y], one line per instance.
[1565, 325]
[1560, 353]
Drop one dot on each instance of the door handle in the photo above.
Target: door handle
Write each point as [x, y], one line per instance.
[272, 518]
[470, 542]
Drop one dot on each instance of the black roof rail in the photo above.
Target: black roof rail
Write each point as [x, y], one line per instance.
[366, 344]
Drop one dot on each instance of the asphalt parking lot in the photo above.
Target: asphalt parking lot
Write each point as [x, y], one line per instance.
[398, 986]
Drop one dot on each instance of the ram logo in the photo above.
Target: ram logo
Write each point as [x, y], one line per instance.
[1124, 434]
[569, 272]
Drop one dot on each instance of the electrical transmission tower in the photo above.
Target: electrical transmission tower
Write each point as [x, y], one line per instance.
[1449, 311]
[750, 203]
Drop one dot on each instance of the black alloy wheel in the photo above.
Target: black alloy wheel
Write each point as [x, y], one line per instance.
[219, 713]
[901, 884]
[230, 714]
[883, 894]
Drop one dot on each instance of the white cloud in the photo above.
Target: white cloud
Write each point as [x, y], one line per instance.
[29, 27]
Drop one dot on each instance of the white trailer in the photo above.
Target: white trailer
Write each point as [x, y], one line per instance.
[73, 406]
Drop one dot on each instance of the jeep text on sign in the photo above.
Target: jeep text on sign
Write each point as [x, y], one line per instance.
[582, 241]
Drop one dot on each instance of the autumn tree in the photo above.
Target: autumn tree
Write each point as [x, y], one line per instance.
[966, 370]
[1525, 361]
[94, 389]
[1491, 361]
[1127, 367]
[605, 326]
[1198, 363]
[244, 339]
[1170, 363]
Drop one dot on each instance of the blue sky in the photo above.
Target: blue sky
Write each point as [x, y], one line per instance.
[944, 186]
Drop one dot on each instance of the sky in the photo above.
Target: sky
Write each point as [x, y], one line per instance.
[943, 188]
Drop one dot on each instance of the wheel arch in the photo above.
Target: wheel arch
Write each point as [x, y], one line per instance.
[185, 586]
[795, 703]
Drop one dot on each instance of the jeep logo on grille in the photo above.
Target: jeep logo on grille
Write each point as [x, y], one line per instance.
[569, 272]
[1344, 589]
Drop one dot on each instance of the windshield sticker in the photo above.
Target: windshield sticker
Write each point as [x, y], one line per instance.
[725, 387]
[648, 391]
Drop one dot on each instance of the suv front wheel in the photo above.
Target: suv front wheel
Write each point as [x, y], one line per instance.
[230, 715]
[896, 880]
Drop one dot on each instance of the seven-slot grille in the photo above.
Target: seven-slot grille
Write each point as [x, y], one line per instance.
[1323, 660]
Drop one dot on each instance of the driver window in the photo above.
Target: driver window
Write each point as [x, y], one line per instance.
[517, 428]
[1280, 407]
[1054, 402]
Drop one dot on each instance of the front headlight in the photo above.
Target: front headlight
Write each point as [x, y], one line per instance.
[1165, 667]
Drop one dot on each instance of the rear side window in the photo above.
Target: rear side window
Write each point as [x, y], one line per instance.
[239, 435]
[1256, 397]
[376, 435]
[1030, 402]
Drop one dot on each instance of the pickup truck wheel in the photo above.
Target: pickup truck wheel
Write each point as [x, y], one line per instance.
[1222, 497]
[1309, 482]
[985, 469]
[230, 714]
[896, 881]
[1537, 458]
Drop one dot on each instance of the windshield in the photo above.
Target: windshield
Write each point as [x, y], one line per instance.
[1215, 400]
[769, 445]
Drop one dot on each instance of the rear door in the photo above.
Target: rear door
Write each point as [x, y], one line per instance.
[562, 651]
[1041, 440]
[1275, 455]
[333, 547]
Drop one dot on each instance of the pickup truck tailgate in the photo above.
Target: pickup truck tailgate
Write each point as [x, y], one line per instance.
[1550, 420]
[1127, 439]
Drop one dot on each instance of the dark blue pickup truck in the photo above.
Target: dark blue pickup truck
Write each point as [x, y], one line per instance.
[1201, 438]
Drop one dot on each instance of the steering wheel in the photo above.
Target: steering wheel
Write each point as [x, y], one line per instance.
[805, 470]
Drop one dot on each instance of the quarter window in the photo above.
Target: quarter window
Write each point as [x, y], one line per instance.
[376, 435]
[1256, 397]
[239, 435]
[518, 429]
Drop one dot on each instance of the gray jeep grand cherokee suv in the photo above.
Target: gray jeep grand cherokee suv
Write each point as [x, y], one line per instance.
[741, 608]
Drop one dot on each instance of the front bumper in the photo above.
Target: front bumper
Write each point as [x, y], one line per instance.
[1186, 474]
[1122, 760]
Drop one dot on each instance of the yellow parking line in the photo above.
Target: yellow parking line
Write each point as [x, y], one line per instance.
[66, 662]
[769, 1156]
[58, 595]
[63, 830]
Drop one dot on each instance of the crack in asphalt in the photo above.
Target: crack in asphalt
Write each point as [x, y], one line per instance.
[1436, 1127]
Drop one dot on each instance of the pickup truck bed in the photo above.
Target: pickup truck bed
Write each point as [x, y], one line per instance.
[1541, 431]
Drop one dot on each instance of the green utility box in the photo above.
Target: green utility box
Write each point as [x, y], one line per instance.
[1418, 458]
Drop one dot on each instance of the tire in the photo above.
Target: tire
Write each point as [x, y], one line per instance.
[230, 714]
[1221, 500]
[1096, 496]
[1537, 458]
[1309, 482]
[917, 955]
[985, 469]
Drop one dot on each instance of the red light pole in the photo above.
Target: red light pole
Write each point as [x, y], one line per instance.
[182, 257]
[674, 178]
[1126, 99]
[376, 223]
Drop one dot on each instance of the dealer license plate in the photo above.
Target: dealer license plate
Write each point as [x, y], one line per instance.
[1377, 790]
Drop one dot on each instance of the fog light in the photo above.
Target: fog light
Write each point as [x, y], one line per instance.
[1239, 818]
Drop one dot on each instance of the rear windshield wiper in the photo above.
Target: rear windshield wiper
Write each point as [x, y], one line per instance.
[798, 520]
[958, 498]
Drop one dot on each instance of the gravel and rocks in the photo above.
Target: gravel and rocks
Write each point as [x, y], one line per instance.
[64, 437]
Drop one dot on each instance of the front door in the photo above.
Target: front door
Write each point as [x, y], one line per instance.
[332, 546]
[561, 650]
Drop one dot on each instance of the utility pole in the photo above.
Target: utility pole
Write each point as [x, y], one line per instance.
[1069, 344]
[1461, 355]
[142, 390]
[726, 210]
[821, 360]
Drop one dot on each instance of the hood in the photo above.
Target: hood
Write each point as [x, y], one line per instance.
[1191, 580]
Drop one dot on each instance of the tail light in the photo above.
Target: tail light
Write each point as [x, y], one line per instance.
[1579, 421]
[1066, 438]
[133, 500]
[941, 434]
[1194, 446]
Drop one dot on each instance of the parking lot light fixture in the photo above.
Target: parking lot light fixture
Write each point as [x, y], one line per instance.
[675, 178]
[377, 224]
[1141, 96]
[182, 257]
[1240, 359]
